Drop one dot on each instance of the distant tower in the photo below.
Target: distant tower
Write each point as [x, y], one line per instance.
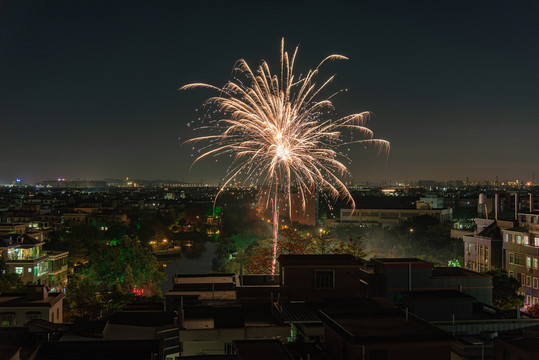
[497, 182]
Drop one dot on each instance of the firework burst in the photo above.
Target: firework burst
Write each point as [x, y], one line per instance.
[279, 134]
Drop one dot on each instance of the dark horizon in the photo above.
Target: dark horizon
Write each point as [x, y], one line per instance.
[91, 91]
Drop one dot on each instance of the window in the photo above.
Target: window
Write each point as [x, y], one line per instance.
[29, 270]
[535, 263]
[18, 270]
[32, 315]
[535, 283]
[526, 240]
[528, 300]
[507, 237]
[519, 278]
[536, 242]
[518, 239]
[324, 279]
[229, 349]
[7, 319]
[486, 253]
[528, 281]
[511, 258]
[535, 300]
[528, 262]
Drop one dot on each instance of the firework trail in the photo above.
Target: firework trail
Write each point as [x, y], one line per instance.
[279, 135]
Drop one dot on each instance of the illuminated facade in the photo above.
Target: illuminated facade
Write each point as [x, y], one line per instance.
[24, 255]
[521, 255]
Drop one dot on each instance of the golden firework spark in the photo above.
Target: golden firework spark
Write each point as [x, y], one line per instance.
[279, 134]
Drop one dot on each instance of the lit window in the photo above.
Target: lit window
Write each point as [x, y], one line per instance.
[29, 270]
[535, 263]
[528, 281]
[536, 243]
[506, 237]
[18, 270]
[518, 239]
[526, 240]
[528, 262]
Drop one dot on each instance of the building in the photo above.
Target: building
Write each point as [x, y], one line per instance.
[261, 350]
[16, 309]
[521, 348]
[379, 331]
[211, 330]
[390, 278]
[521, 255]
[483, 248]
[24, 255]
[390, 217]
[58, 266]
[316, 277]
[146, 325]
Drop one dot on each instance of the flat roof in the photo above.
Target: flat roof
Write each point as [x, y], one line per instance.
[320, 260]
[21, 300]
[205, 279]
[437, 294]
[261, 350]
[456, 272]
[386, 326]
[527, 344]
[143, 318]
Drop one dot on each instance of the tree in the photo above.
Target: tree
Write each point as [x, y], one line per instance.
[533, 310]
[118, 268]
[353, 247]
[324, 242]
[504, 292]
[9, 281]
[82, 298]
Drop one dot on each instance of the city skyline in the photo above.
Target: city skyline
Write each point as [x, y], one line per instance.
[91, 92]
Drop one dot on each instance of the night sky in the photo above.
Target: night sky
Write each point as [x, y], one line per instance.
[89, 89]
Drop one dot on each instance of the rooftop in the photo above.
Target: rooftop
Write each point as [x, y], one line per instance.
[319, 260]
[382, 326]
[143, 318]
[262, 350]
[22, 300]
[456, 272]
[437, 294]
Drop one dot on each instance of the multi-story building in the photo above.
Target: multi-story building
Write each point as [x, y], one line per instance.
[16, 309]
[24, 255]
[483, 248]
[57, 275]
[390, 217]
[521, 255]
